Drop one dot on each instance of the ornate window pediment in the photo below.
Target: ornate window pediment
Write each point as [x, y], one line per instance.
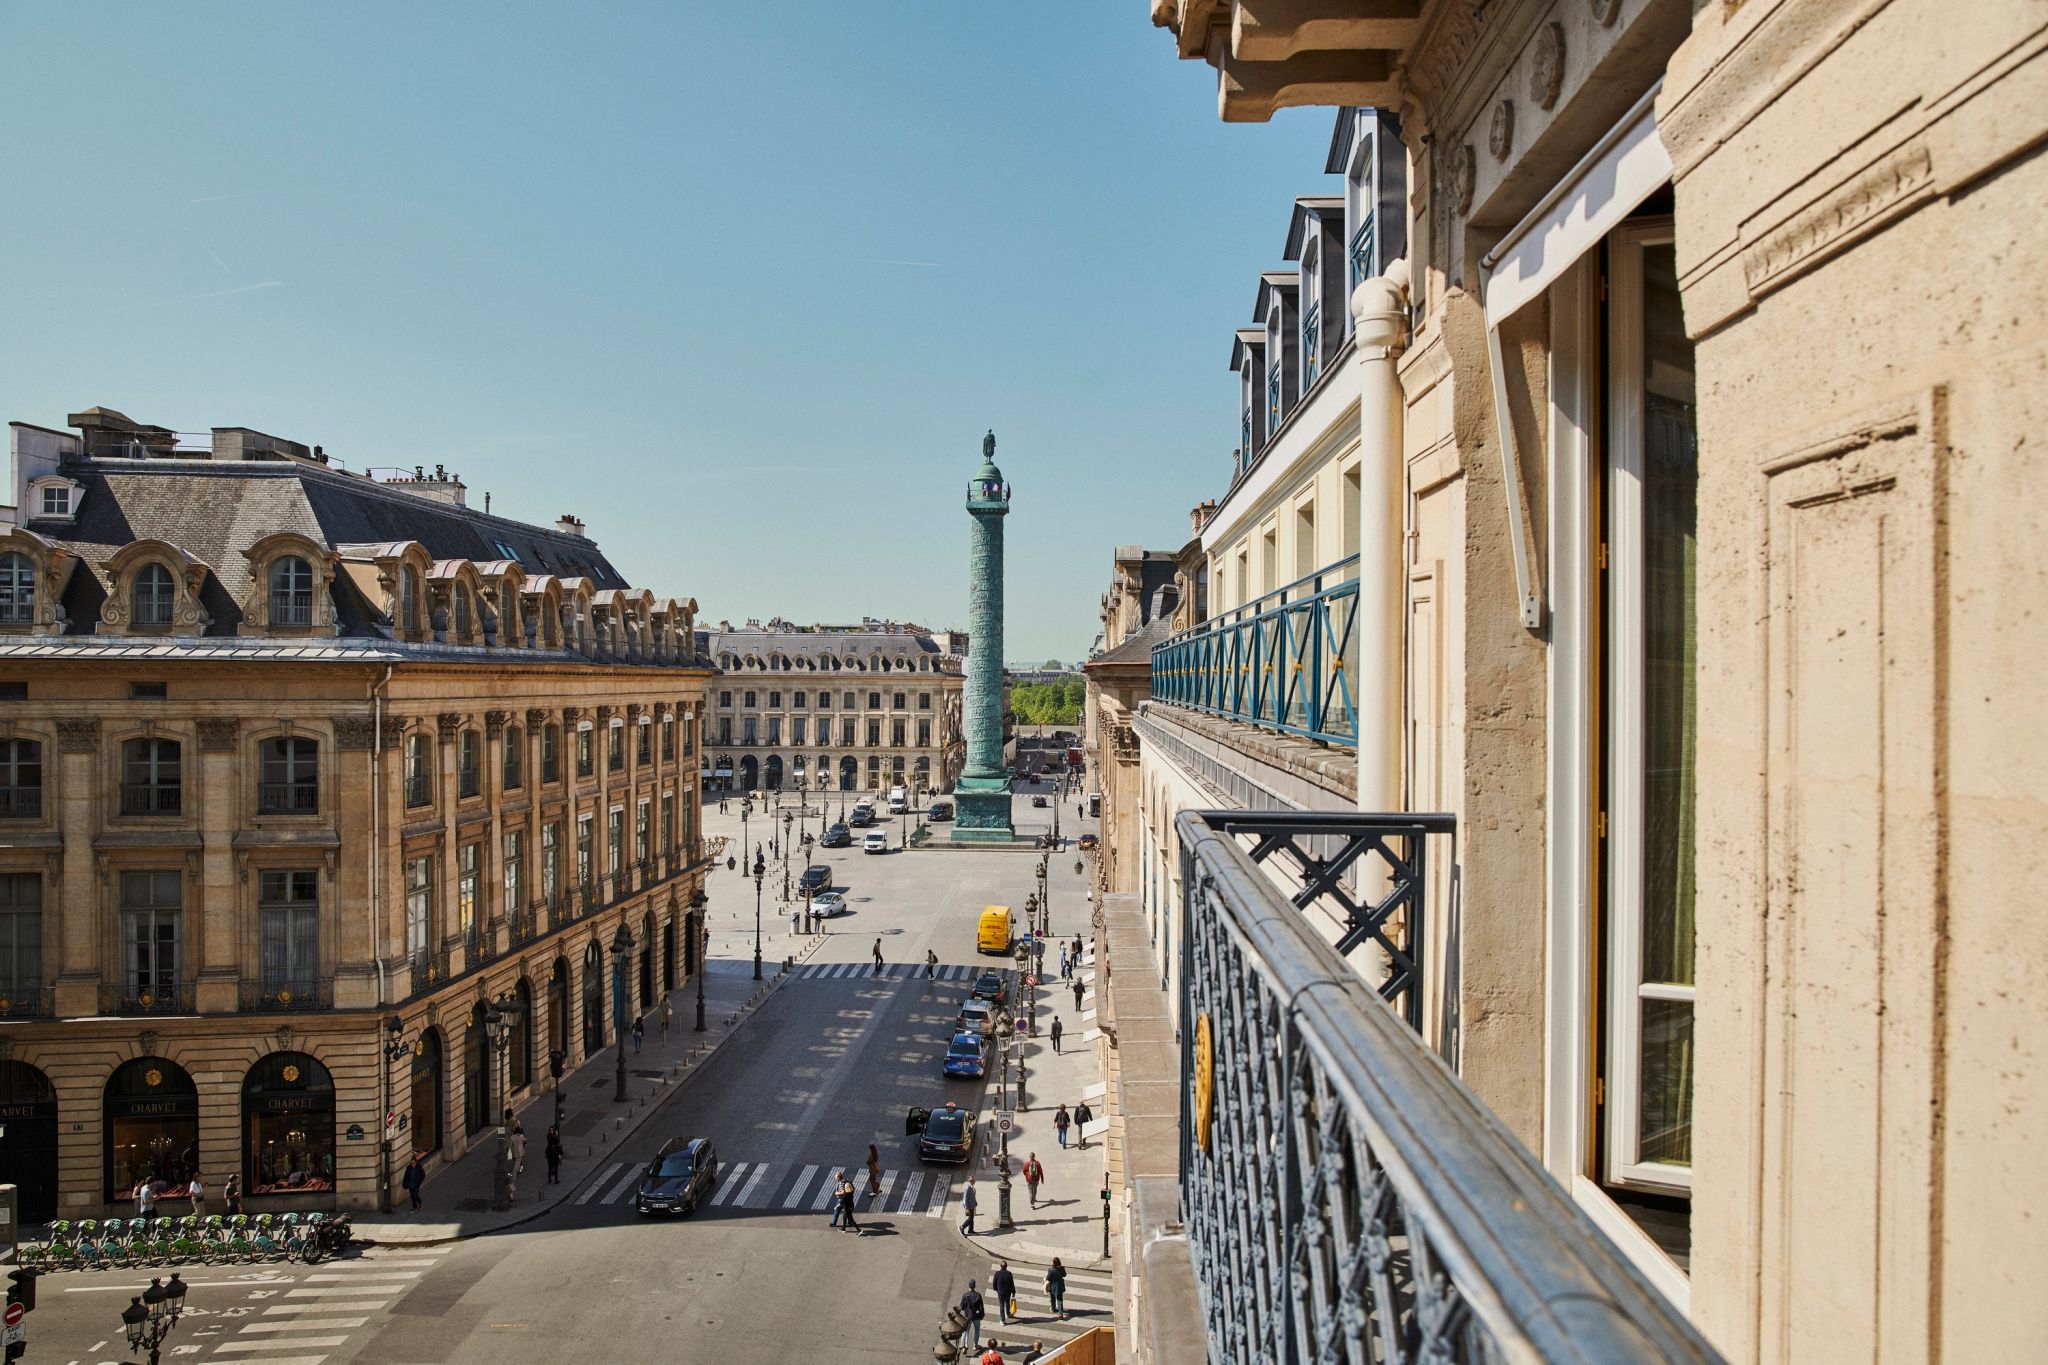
[33, 572]
[454, 592]
[153, 589]
[291, 587]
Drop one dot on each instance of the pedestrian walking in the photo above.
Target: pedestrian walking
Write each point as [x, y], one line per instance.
[846, 1205]
[931, 963]
[1005, 1286]
[197, 1189]
[993, 1355]
[414, 1179]
[639, 1032]
[1060, 1120]
[878, 957]
[1083, 1116]
[1034, 1176]
[1056, 1030]
[668, 1013]
[1077, 952]
[972, 1308]
[874, 1171]
[231, 1194]
[518, 1147]
[1056, 1288]
[967, 1207]
[145, 1196]
[553, 1151]
[1079, 986]
[838, 1209]
[1063, 962]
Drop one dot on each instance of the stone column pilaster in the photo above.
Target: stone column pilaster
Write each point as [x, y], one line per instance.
[80, 887]
[219, 892]
[348, 936]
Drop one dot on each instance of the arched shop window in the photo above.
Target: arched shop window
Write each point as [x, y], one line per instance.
[288, 1126]
[426, 1092]
[152, 1129]
[522, 1037]
[28, 1138]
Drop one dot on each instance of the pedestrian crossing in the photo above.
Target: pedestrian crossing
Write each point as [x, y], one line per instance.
[301, 1316]
[1090, 1297]
[898, 971]
[772, 1186]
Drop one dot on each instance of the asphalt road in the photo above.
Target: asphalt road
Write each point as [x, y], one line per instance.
[829, 1064]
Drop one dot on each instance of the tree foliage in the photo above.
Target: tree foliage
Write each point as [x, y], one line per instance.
[1049, 703]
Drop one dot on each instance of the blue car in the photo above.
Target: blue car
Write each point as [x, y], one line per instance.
[967, 1056]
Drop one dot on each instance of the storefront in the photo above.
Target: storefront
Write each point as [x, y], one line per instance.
[288, 1126]
[28, 1139]
[152, 1129]
[426, 1092]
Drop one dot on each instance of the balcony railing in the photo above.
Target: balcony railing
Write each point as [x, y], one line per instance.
[286, 993]
[1286, 661]
[139, 998]
[429, 968]
[288, 798]
[417, 791]
[1348, 1199]
[21, 803]
[291, 608]
[521, 925]
[152, 798]
[25, 1002]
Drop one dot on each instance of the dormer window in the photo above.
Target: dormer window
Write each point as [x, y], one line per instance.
[56, 500]
[17, 590]
[1311, 315]
[291, 592]
[154, 596]
[408, 600]
[464, 614]
[52, 498]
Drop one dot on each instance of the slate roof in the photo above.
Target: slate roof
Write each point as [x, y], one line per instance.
[806, 647]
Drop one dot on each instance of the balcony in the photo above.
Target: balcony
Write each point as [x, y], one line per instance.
[522, 925]
[429, 968]
[152, 798]
[26, 1002]
[1381, 1210]
[288, 798]
[21, 803]
[289, 609]
[286, 994]
[418, 791]
[136, 997]
[1284, 662]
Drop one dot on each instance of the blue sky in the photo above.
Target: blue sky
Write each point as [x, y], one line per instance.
[739, 284]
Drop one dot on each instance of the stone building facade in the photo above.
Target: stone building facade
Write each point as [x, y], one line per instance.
[840, 708]
[314, 784]
[1702, 397]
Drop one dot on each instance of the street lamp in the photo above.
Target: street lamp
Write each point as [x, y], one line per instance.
[1003, 1028]
[395, 1047]
[150, 1315]
[760, 873]
[622, 951]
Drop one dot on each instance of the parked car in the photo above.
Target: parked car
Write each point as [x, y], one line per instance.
[943, 1134]
[976, 1016]
[991, 987]
[862, 817]
[1038, 803]
[815, 878]
[876, 842]
[828, 904]
[966, 1056]
[839, 836]
[940, 810]
[1089, 841]
[681, 1176]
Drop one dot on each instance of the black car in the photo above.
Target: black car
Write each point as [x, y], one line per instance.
[839, 836]
[814, 879]
[681, 1176]
[943, 1134]
[1038, 802]
[991, 987]
[861, 818]
[940, 810]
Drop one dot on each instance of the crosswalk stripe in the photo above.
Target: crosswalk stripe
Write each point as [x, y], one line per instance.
[940, 1186]
[297, 1360]
[597, 1184]
[911, 1185]
[730, 1183]
[370, 1274]
[358, 1290]
[361, 1307]
[796, 1191]
[888, 1184]
[747, 1194]
[304, 1325]
[825, 1192]
[626, 1182]
[292, 1345]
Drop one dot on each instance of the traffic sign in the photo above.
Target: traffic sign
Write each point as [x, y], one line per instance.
[1006, 1123]
[15, 1313]
[14, 1335]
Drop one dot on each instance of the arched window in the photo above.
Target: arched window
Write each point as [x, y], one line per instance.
[464, 615]
[288, 1126]
[152, 1129]
[290, 783]
[291, 592]
[593, 999]
[408, 600]
[28, 1140]
[153, 597]
[508, 617]
[520, 1054]
[17, 590]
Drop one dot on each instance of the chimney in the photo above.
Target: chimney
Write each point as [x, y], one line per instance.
[441, 486]
[243, 443]
[570, 524]
[1202, 512]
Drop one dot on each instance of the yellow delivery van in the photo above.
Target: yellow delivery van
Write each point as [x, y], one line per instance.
[996, 924]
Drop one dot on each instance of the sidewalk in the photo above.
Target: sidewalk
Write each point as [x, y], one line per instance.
[458, 1196]
[1068, 1221]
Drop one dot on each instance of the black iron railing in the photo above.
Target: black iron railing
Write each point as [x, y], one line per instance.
[286, 993]
[521, 925]
[288, 798]
[418, 792]
[136, 997]
[26, 1002]
[291, 608]
[152, 798]
[1347, 1199]
[429, 968]
[21, 803]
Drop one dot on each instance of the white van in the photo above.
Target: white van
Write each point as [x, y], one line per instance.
[899, 800]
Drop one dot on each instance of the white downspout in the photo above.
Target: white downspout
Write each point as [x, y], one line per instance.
[1379, 311]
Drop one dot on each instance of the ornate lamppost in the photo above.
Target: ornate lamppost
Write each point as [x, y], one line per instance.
[703, 960]
[1003, 1219]
[760, 874]
[150, 1315]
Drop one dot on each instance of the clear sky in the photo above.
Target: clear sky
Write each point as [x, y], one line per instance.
[739, 284]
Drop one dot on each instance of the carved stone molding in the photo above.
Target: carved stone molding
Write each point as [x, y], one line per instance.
[147, 1041]
[1546, 66]
[1123, 742]
[354, 732]
[535, 716]
[1464, 177]
[449, 723]
[634, 710]
[495, 722]
[285, 1036]
[1890, 185]
[607, 711]
[572, 714]
[1604, 11]
[78, 736]
[219, 735]
[1500, 135]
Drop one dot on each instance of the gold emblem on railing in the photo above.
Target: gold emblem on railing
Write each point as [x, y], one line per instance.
[1205, 1080]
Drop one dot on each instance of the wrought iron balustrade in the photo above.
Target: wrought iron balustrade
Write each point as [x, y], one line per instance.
[21, 803]
[1286, 661]
[288, 608]
[146, 997]
[288, 798]
[286, 993]
[152, 798]
[26, 1002]
[521, 924]
[429, 968]
[1347, 1198]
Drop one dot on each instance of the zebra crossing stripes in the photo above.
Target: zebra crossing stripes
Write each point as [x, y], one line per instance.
[323, 1312]
[898, 971]
[1090, 1294]
[796, 1193]
[590, 1190]
[753, 1182]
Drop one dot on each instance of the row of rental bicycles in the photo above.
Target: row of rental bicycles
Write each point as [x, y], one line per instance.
[214, 1239]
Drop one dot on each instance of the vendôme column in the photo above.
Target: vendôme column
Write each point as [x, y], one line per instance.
[982, 796]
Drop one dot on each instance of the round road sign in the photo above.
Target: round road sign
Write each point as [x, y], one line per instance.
[15, 1313]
